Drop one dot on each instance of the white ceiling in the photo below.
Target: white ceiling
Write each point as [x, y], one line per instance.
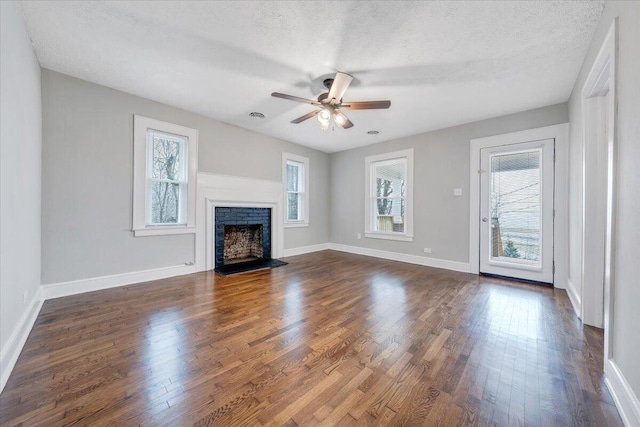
[440, 63]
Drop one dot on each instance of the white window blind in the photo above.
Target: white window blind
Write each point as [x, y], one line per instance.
[516, 215]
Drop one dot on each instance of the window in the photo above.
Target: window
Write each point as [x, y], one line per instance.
[167, 180]
[389, 198]
[295, 173]
[165, 170]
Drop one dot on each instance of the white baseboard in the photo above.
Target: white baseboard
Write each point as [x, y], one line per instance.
[396, 256]
[13, 348]
[574, 297]
[306, 249]
[63, 289]
[624, 397]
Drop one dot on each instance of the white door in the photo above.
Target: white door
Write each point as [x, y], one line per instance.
[516, 210]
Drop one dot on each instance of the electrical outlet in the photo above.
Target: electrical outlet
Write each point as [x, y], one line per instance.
[427, 250]
[359, 236]
[25, 297]
[457, 191]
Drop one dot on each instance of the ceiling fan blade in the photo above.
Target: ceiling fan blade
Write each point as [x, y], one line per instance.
[347, 123]
[305, 117]
[339, 86]
[295, 98]
[367, 105]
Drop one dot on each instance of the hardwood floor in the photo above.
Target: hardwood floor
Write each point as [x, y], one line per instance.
[330, 339]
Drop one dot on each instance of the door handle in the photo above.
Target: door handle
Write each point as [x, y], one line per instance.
[485, 219]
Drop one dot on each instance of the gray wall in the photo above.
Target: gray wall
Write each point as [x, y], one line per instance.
[441, 163]
[626, 268]
[87, 179]
[20, 147]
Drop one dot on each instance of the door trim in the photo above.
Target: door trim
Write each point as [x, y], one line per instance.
[601, 81]
[558, 132]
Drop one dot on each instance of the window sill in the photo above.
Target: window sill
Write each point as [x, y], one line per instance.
[389, 236]
[162, 231]
[296, 224]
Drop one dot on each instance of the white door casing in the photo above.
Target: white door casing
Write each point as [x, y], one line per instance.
[599, 176]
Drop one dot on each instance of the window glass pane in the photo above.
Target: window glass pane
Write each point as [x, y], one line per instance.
[293, 206]
[390, 195]
[166, 157]
[384, 206]
[293, 177]
[165, 206]
[515, 208]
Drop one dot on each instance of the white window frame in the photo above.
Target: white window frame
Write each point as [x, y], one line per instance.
[304, 161]
[142, 162]
[370, 196]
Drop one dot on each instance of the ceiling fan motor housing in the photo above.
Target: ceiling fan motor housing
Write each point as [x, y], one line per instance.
[323, 98]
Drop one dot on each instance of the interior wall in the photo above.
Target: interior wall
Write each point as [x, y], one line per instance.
[87, 179]
[626, 269]
[20, 154]
[441, 158]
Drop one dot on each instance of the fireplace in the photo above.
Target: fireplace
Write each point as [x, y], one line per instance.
[223, 191]
[242, 234]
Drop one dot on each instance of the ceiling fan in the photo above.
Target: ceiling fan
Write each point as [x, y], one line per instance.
[330, 103]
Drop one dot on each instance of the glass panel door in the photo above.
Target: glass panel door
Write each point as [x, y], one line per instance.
[516, 228]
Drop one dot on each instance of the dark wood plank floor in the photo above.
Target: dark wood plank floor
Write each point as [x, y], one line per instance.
[330, 339]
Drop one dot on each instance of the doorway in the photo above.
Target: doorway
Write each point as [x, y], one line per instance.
[521, 155]
[516, 210]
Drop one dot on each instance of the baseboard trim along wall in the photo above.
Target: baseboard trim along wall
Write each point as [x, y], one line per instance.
[396, 256]
[63, 289]
[626, 401]
[306, 249]
[574, 297]
[11, 352]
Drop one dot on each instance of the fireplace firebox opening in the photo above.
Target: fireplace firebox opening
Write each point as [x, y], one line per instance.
[242, 234]
[242, 243]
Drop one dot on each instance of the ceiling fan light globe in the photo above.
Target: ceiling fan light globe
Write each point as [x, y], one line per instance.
[340, 119]
[324, 116]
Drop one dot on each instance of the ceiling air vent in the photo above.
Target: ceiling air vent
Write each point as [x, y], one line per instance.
[256, 115]
[373, 132]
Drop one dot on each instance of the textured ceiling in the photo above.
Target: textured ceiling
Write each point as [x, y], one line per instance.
[440, 63]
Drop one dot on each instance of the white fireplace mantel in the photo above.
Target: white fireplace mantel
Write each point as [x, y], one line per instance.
[232, 191]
